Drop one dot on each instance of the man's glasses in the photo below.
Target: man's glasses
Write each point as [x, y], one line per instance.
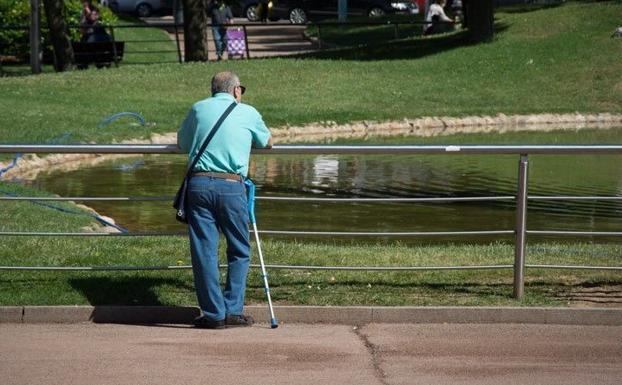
[242, 89]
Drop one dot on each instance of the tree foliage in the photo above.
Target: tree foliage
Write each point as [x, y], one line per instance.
[14, 42]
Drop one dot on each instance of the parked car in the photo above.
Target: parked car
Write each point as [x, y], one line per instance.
[301, 11]
[248, 9]
[141, 8]
[244, 8]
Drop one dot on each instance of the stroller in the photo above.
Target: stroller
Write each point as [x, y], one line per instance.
[236, 43]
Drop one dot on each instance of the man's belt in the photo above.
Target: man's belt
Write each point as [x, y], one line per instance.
[219, 175]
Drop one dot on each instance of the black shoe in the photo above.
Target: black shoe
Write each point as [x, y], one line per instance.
[233, 321]
[206, 323]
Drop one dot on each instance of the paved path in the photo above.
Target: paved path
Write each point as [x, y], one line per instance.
[294, 354]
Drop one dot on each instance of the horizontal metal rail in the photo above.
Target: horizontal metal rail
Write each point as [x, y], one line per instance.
[575, 198]
[324, 199]
[388, 200]
[282, 267]
[91, 234]
[265, 232]
[311, 267]
[573, 267]
[576, 233]
[93, 199]
[315, 233]
[386, 234]
[269, 198]
[320, 149]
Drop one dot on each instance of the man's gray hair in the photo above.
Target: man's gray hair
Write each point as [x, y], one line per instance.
[224, 82]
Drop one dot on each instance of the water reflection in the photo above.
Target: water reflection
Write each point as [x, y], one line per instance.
[381, 177]
[371, 176]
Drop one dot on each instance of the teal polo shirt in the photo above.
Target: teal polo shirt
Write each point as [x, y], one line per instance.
[229, 150]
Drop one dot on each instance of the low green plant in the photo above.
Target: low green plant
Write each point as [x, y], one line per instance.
[14, 13]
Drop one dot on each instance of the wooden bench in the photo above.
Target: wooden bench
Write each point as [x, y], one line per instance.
[101, 53]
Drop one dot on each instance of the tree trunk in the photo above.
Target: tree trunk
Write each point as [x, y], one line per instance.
[479, 19]
[63, 52]
[195, 30]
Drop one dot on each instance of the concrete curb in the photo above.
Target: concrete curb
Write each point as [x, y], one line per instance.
[349, 315]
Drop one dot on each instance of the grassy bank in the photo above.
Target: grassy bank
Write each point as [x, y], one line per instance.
[560, 59]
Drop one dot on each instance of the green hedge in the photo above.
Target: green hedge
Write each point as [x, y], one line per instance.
[16, 13]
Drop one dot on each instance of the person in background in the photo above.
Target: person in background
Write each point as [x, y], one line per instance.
[221, 15]
[217, 200]
[263, 8]
[92, 30]
[436, 14]
[88, 18]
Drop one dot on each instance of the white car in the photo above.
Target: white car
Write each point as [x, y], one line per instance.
[142, 8]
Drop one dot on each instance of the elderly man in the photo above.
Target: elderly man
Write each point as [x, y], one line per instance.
[217, 198]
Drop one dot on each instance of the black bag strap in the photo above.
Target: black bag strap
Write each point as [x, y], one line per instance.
[209, 137]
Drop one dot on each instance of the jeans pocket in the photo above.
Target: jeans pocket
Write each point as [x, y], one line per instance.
[235, 205]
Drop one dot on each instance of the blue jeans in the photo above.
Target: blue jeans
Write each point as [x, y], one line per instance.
[213, 205]
[220, 39]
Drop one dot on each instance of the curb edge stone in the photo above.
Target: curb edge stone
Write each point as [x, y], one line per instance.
[347, 315]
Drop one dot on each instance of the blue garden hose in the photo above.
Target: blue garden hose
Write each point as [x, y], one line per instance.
[63, 138]
[106, 121]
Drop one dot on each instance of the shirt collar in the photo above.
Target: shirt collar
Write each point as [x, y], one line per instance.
[224, 96]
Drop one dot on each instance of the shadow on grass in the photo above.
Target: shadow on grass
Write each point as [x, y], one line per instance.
[128, 291]
[532, 7]
[412, 48]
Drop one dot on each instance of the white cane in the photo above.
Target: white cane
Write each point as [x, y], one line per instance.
[250, 186]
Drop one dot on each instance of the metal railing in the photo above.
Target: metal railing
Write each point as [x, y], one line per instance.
[252, 36]
[521, 198]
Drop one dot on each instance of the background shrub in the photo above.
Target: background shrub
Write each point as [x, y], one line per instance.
[14, 43]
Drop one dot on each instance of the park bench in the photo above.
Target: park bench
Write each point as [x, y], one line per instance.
[100, 53]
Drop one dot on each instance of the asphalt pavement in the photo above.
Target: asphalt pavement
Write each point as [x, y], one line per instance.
[90, 353]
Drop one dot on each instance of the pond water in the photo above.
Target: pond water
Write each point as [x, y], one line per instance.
[381, 177]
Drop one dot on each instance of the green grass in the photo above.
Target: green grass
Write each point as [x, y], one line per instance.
[543, 287]
[552, 60]
[145, 45]
[549, 60]
[356, 34]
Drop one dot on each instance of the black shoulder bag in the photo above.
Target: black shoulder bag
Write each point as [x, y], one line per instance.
[180, 198]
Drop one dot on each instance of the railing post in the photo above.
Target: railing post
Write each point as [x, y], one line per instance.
[179, 57]
[114, 47]
[248, 50]
[521, 227]
[319, 36]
